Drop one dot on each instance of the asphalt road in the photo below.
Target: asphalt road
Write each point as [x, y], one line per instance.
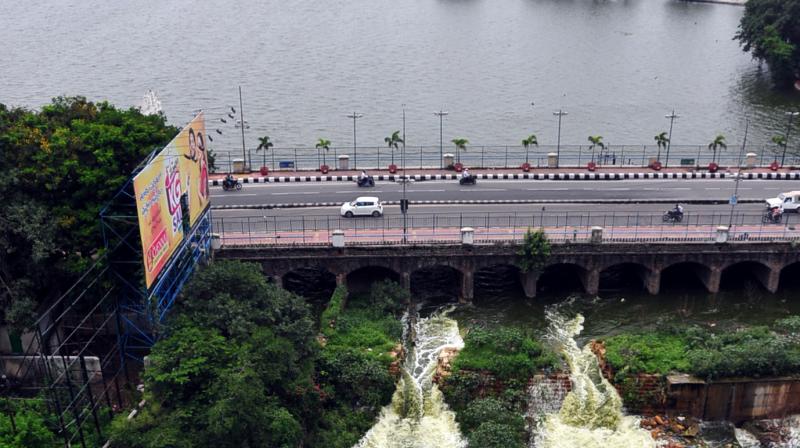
[682, 189]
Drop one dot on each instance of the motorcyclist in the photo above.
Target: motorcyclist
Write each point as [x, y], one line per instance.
[775, 213]
[465, 174]
[678, 210]
[363, 176]
[229, 181]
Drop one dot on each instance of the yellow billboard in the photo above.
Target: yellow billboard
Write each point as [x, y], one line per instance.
[180, 169]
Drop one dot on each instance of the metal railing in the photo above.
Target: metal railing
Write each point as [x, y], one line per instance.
[573, 226]
[497, 156]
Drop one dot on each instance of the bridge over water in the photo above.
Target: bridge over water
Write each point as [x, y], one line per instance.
[449, 269]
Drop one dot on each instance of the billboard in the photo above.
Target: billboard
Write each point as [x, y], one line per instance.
[179, 170]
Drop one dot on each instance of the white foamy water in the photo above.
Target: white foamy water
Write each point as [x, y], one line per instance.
[591, 413]
[418, 416]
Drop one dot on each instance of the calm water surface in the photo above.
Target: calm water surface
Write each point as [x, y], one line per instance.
[616, 66]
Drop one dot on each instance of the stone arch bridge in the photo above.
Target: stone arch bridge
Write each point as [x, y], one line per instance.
[707, 263]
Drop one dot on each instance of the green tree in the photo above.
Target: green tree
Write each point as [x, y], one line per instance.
[596, 140]
[717, 144]
[58, 167]
[22, 425]
[393, 142]
[770, 29]
[661, 141]
[528, 141]
[780, 143]
[265, 144]
[461, 145]
[325, 145]
[535, 250]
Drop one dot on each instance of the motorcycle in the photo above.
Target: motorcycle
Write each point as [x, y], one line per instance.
[366, 182]
[469, 180]
[771, 217]
[672, 216]
[231, 185]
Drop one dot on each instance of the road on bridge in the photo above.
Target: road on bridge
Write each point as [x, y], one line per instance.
[450, 190]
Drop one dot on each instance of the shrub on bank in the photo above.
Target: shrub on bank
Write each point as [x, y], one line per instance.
[487, 383]
[754, 351]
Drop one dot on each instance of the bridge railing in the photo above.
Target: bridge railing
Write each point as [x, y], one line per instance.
[442, 228]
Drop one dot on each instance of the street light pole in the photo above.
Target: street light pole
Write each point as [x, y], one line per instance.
[788, 129]
[738, 177]
[672, 118]
[559, 114]
[441, 114]
[405, 179]
[241, 118]
[355, 116]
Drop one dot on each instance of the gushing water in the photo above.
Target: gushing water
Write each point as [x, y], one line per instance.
[418, 416]
[591, 413]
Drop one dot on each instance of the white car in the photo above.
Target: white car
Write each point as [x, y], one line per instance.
[788, 202]
[363, 206]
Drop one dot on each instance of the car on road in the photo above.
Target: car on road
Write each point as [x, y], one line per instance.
[788, 202]
[362, 206]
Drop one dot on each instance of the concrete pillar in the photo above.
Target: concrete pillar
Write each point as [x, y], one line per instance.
[405, 280]
[652, 281]
[591, 281]
[711, 279]
[341, 279]
[467, 287]
[277, 280]
[528, 280]
[773, 280]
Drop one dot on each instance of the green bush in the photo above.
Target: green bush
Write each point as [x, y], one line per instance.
[505, 353]
[535, 250]
[496, 435]
[331, 314]
[30, 428]
[647, 353]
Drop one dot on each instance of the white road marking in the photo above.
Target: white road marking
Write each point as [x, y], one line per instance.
[547, 189]
[230, 195]
[295, 192]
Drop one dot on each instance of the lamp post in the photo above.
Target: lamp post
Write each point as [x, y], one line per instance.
[404, 209]
[559, 114]
[441, 114]
[791, 115]
[241, 119]
[672, 118]
[355, 116]
[734, 198]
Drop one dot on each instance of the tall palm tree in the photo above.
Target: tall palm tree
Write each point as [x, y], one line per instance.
[717, 144]
[392, 142]
[780, 141]
[265, 144]
[529, 141]
[662, 141]
[325, 145]
[461, 145]
[596, 140]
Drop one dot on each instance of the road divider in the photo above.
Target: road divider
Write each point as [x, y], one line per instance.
[494, 201]
[518, 176]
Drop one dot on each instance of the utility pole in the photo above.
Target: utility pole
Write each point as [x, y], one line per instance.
[355, 116]
[735, 198]
[241, 118]
[441, 114]
[788, 129]
[672, 118]
[559, 114]
[404, 208]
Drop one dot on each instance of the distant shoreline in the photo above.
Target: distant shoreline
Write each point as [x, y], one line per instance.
[724, 2]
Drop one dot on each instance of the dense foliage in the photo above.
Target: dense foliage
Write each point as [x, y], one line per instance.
[535, 250]
[242, 366]
[23, 425]
[771, 30]
[58, 167]
[754, 351]
[486, 387]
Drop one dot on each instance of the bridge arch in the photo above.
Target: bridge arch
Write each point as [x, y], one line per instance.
[790, 277]
[562, 278]
[496, 282]
[629, 276]
[687, 276]
[736, 275]
[315, 283]
[439, 283]
[361, 280]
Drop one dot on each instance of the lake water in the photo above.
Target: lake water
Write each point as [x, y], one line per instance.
[617, 67]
